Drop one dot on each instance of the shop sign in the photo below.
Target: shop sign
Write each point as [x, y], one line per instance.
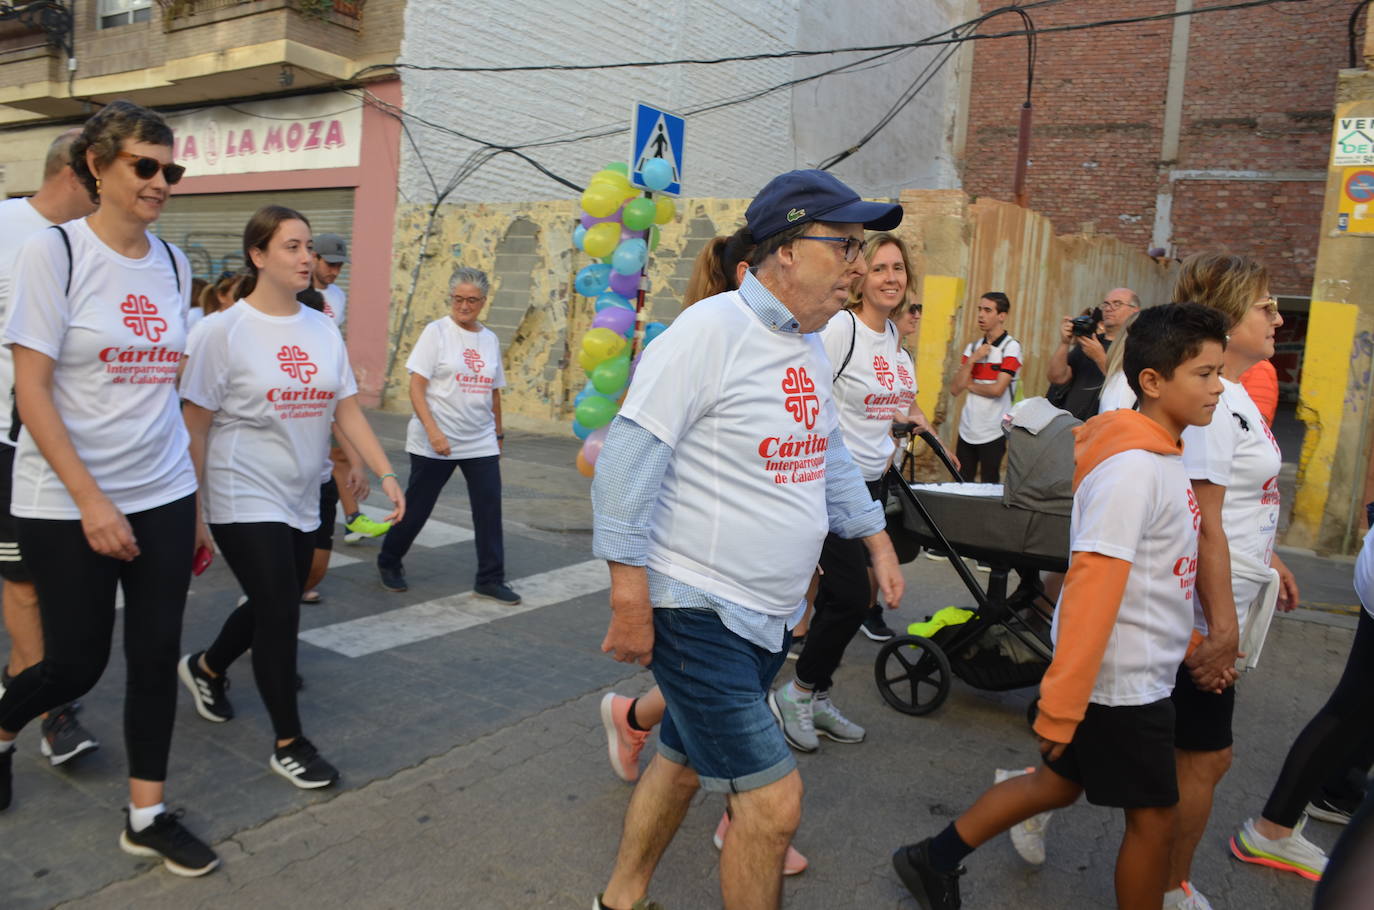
[289, 134]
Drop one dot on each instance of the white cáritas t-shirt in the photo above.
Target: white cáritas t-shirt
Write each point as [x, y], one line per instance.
[19, 221]
[335, 303]
[116, 341]
[1237, 451]
[1138, 506]
[748, 413]
[876, 387]
[273, 383]
[463, 369]
[981, 419]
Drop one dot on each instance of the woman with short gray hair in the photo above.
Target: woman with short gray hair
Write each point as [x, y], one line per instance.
[455, 388]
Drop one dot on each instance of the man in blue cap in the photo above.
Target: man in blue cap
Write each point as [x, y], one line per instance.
[715, 489]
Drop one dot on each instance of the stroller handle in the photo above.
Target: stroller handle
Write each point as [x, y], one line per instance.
[929, 439]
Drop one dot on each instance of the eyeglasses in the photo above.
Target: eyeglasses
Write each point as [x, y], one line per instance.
[1110, 305]
[146, 167]
[1270, 305]
[851, 249]
[470, 301]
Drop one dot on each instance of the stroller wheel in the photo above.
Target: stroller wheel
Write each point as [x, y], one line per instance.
[913, 674]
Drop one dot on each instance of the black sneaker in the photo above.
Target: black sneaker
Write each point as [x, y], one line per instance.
[874, 627]
[392, 579]
[301, 763]
[933, 889]
[182, 852]
[6, 785]
[208, 692]
[1331, 809]
[498, 592]
[63, 736]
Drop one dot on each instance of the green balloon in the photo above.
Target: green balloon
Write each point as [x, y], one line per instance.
[619, 167]
[639, 214]
[595, 411]
[610, 376]
[654, 237]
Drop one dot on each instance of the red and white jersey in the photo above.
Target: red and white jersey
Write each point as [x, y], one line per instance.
[876, 387]
[116, 341]
[748, 413]
[981, 419]
[273, 383]
[463, 369]
[1238, 451]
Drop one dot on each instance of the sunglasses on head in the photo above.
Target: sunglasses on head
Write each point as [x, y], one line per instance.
[146, 168]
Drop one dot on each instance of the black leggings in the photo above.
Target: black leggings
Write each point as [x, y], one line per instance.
[76, 600]
[270, 560]
[842, 599]
[984, 459]
[1330, 740]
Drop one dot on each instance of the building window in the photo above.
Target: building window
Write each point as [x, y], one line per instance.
[123, 12]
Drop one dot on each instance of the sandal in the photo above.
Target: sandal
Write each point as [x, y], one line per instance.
[311, 597]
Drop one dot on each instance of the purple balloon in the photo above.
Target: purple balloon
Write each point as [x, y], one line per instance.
[627, 234]
[588, 220]
[617, 319]
[626, 286]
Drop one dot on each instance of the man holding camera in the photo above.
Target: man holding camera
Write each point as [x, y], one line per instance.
[1080, 362]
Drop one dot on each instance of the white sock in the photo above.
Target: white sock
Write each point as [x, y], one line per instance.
[6, 746]
[821, 695]
[1174, 898]
[142, 818]
[797, 693]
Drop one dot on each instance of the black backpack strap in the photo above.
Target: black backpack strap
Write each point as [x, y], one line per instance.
[853, 337]
[175, 271]
[67, 242]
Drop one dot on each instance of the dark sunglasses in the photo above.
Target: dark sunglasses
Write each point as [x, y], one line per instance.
[146, 168]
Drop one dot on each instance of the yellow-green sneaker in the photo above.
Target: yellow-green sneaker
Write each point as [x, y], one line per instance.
[367, 527]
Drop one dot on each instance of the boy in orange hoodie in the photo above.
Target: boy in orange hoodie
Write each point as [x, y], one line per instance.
[1122, 626]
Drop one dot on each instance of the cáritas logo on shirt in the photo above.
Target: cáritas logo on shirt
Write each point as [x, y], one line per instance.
[882, 371]
[140, 315]
[473, 381]
[793, 459]
[296, 403]
[136, 364]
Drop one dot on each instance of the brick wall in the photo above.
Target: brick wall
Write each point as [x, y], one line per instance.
[1258, 97]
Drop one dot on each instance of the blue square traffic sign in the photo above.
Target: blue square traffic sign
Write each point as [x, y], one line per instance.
[657, 134]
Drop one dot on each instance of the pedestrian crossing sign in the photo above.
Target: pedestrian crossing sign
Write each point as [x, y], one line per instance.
[657, 134]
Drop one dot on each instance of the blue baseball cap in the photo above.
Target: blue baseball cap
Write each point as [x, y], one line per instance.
[801, 196]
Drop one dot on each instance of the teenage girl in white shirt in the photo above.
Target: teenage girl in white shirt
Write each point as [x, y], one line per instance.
[104, 491]
[265, 382]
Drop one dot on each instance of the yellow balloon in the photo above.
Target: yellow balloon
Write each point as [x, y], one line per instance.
[587, 362]
[615, 179]
[600, 200]
[584, 467]
[601, 344]
[601, 239]
[665, 210]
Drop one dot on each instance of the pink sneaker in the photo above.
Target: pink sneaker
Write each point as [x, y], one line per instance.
[623, 742]
[792, 864]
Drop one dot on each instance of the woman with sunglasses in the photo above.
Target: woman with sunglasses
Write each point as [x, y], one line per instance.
[264, 384]
[104, 491]
[874, 383]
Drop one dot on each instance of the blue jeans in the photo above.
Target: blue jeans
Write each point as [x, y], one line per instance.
[427, 479]
[716, 685]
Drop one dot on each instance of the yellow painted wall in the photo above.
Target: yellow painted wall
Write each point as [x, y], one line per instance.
[1322, 407]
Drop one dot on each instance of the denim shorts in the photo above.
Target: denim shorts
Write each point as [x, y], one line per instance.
[716, 686]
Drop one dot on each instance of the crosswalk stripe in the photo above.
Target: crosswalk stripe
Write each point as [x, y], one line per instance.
[422, 621]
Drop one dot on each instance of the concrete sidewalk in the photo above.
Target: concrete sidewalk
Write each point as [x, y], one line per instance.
[475, 770]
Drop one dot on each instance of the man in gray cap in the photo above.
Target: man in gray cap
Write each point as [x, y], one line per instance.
[717, 484]
[331, 253]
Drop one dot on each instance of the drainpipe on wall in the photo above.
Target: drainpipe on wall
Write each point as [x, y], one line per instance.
[1023, 137]
[1162, 234]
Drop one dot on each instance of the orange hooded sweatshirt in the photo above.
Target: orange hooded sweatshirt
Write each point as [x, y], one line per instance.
[1094, 586]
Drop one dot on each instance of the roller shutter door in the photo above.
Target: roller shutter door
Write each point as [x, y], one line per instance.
[209, 229]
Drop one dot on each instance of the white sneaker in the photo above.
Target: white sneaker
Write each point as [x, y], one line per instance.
[1028, 837]
[1293, 853]
[1194, 900]
[795, 718]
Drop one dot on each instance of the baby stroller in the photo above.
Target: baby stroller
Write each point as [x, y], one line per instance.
[1021, 527]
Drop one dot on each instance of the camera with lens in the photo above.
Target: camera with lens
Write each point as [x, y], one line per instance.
[1086, 326]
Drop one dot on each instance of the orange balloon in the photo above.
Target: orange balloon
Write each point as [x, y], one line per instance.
[584, 467]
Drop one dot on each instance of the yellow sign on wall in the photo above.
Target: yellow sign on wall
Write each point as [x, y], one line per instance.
[1355, 215]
